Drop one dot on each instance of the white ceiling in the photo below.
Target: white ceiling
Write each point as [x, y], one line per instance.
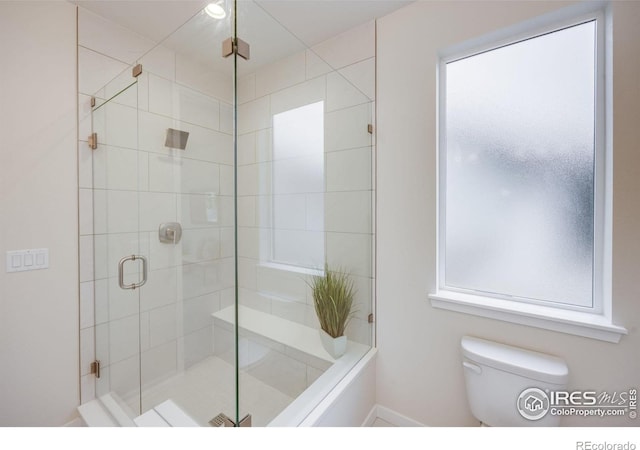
[311, 21]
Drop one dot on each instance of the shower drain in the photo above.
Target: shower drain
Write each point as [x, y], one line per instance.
[221, 420]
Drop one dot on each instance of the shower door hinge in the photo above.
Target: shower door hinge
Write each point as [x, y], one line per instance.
[370, 318]
[236, 46]
[93, 141]
[370, 128]
[93, 102]
[95, 368]
[136, 71]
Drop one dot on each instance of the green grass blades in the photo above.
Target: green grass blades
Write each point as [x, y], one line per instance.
[333, 296]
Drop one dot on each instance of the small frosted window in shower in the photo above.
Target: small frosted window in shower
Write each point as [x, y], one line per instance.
[298, 186]
[519, 169]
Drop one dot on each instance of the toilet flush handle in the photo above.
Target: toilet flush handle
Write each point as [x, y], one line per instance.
[473, 367]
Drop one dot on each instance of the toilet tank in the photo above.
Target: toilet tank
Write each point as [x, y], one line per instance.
[496, 376]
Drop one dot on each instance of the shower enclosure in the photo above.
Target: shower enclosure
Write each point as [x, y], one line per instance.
[230, 163]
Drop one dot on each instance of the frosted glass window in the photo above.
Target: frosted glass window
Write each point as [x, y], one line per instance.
[520, 160]
[298, 186]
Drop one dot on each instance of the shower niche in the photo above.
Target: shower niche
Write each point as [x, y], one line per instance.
[227, 182]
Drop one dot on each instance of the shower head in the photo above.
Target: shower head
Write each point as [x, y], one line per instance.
[176, 139]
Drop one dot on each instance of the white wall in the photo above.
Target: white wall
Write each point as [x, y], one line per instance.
[38, 208]
[418, 368]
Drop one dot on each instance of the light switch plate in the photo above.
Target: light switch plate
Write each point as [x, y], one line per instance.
[30, 259]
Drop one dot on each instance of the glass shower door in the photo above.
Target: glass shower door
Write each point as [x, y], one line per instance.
[120, 250]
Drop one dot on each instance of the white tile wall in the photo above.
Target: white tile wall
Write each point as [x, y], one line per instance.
[161, 289]
[201, 244]
[348, 211]
[349, 170]
[160, 95]
[86, 258]
[248, 242]
[122, 207]
[227, 242]
[226, 118]
[155, 208]
[315, 65]
[197, 346]
[120, 126]
[247, 272]
[197, 108]
[281, 283]
[124, 377]
[350, 250]
[289, 309]
[122, 168]
[347, 128]
[162, 325]
[264, 145]
[87, 350]
[101, 301]
[247, 211]
[299, 95]
[123, 338]
[160, 61]
[163, 255]
[254, 115]
[363, 76]
[284, 73]
[342, 94]
[163, 172]
[85, 199]
[201, 78]
[197, 311]
[199, 177]
[246, 149]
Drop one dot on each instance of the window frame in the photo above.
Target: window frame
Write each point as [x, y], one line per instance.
[592, 321]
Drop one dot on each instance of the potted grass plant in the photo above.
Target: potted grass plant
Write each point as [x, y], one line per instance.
[333, 295]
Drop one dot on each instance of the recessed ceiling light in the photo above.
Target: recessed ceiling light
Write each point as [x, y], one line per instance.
[215, 10]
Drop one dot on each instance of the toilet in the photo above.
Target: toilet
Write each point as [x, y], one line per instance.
[508, 386]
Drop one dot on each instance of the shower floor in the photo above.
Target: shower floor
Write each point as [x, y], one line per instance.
[208, 388]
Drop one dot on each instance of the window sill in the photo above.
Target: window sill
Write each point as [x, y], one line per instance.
[578, 323]
[291, 268]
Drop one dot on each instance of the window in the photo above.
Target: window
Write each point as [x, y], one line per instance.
[521, 173]
[298, 187]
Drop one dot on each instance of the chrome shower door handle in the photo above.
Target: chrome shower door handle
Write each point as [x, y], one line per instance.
[121, 272]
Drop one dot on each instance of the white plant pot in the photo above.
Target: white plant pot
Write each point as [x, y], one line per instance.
[334, 346]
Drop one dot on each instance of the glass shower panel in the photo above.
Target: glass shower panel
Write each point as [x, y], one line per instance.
[185, 128]
[116, 174]
[305, 198]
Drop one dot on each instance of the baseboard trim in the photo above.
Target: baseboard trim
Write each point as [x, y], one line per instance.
[391, 416]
